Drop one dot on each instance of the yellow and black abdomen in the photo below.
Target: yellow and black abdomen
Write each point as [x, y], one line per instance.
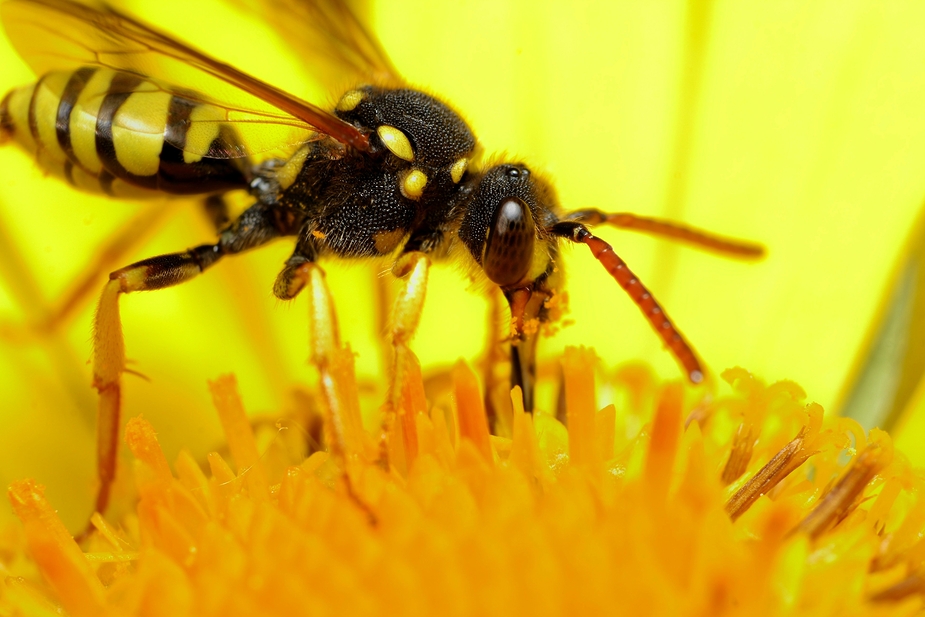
[123, 134]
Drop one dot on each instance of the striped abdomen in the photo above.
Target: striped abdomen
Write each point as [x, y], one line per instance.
[102, 130]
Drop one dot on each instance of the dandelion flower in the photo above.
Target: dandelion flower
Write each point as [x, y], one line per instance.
[598, 519]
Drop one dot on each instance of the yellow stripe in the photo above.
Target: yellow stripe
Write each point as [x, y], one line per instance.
[204, 129]
[18, 107]
[83, 120]
[45, 106]
[138, 129]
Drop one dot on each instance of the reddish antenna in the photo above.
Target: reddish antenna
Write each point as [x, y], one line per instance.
[699, 238]
[604, 253]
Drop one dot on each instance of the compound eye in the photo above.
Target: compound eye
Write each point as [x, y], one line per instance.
[509, 247]
[396, 142]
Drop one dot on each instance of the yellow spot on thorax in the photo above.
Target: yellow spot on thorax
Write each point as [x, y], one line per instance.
[458, 168]
[350, 100]
[412, 185]
[396, 142]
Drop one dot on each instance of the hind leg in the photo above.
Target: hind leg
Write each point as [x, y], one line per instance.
[256, 226]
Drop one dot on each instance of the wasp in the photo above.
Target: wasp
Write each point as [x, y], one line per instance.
[391, 172]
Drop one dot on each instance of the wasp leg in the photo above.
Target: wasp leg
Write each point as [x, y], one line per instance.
[732, 247]
[342, 423]
[414, 267]
[528, 311]
[257, 225]
[405, 398]
[332, 360]
[324, 345]
[496, 373]
[300, 272]
[385, 296]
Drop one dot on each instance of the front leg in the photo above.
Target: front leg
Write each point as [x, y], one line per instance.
[405, 397]
[398, 445]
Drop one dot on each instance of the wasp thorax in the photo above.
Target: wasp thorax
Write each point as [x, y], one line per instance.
[435, 135]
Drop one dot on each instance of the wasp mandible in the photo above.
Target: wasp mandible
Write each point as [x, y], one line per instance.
[390, 173]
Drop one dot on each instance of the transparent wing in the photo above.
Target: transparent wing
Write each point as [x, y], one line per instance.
[56, 35]
[333, 38]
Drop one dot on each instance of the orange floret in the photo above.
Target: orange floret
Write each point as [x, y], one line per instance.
[443, 518]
